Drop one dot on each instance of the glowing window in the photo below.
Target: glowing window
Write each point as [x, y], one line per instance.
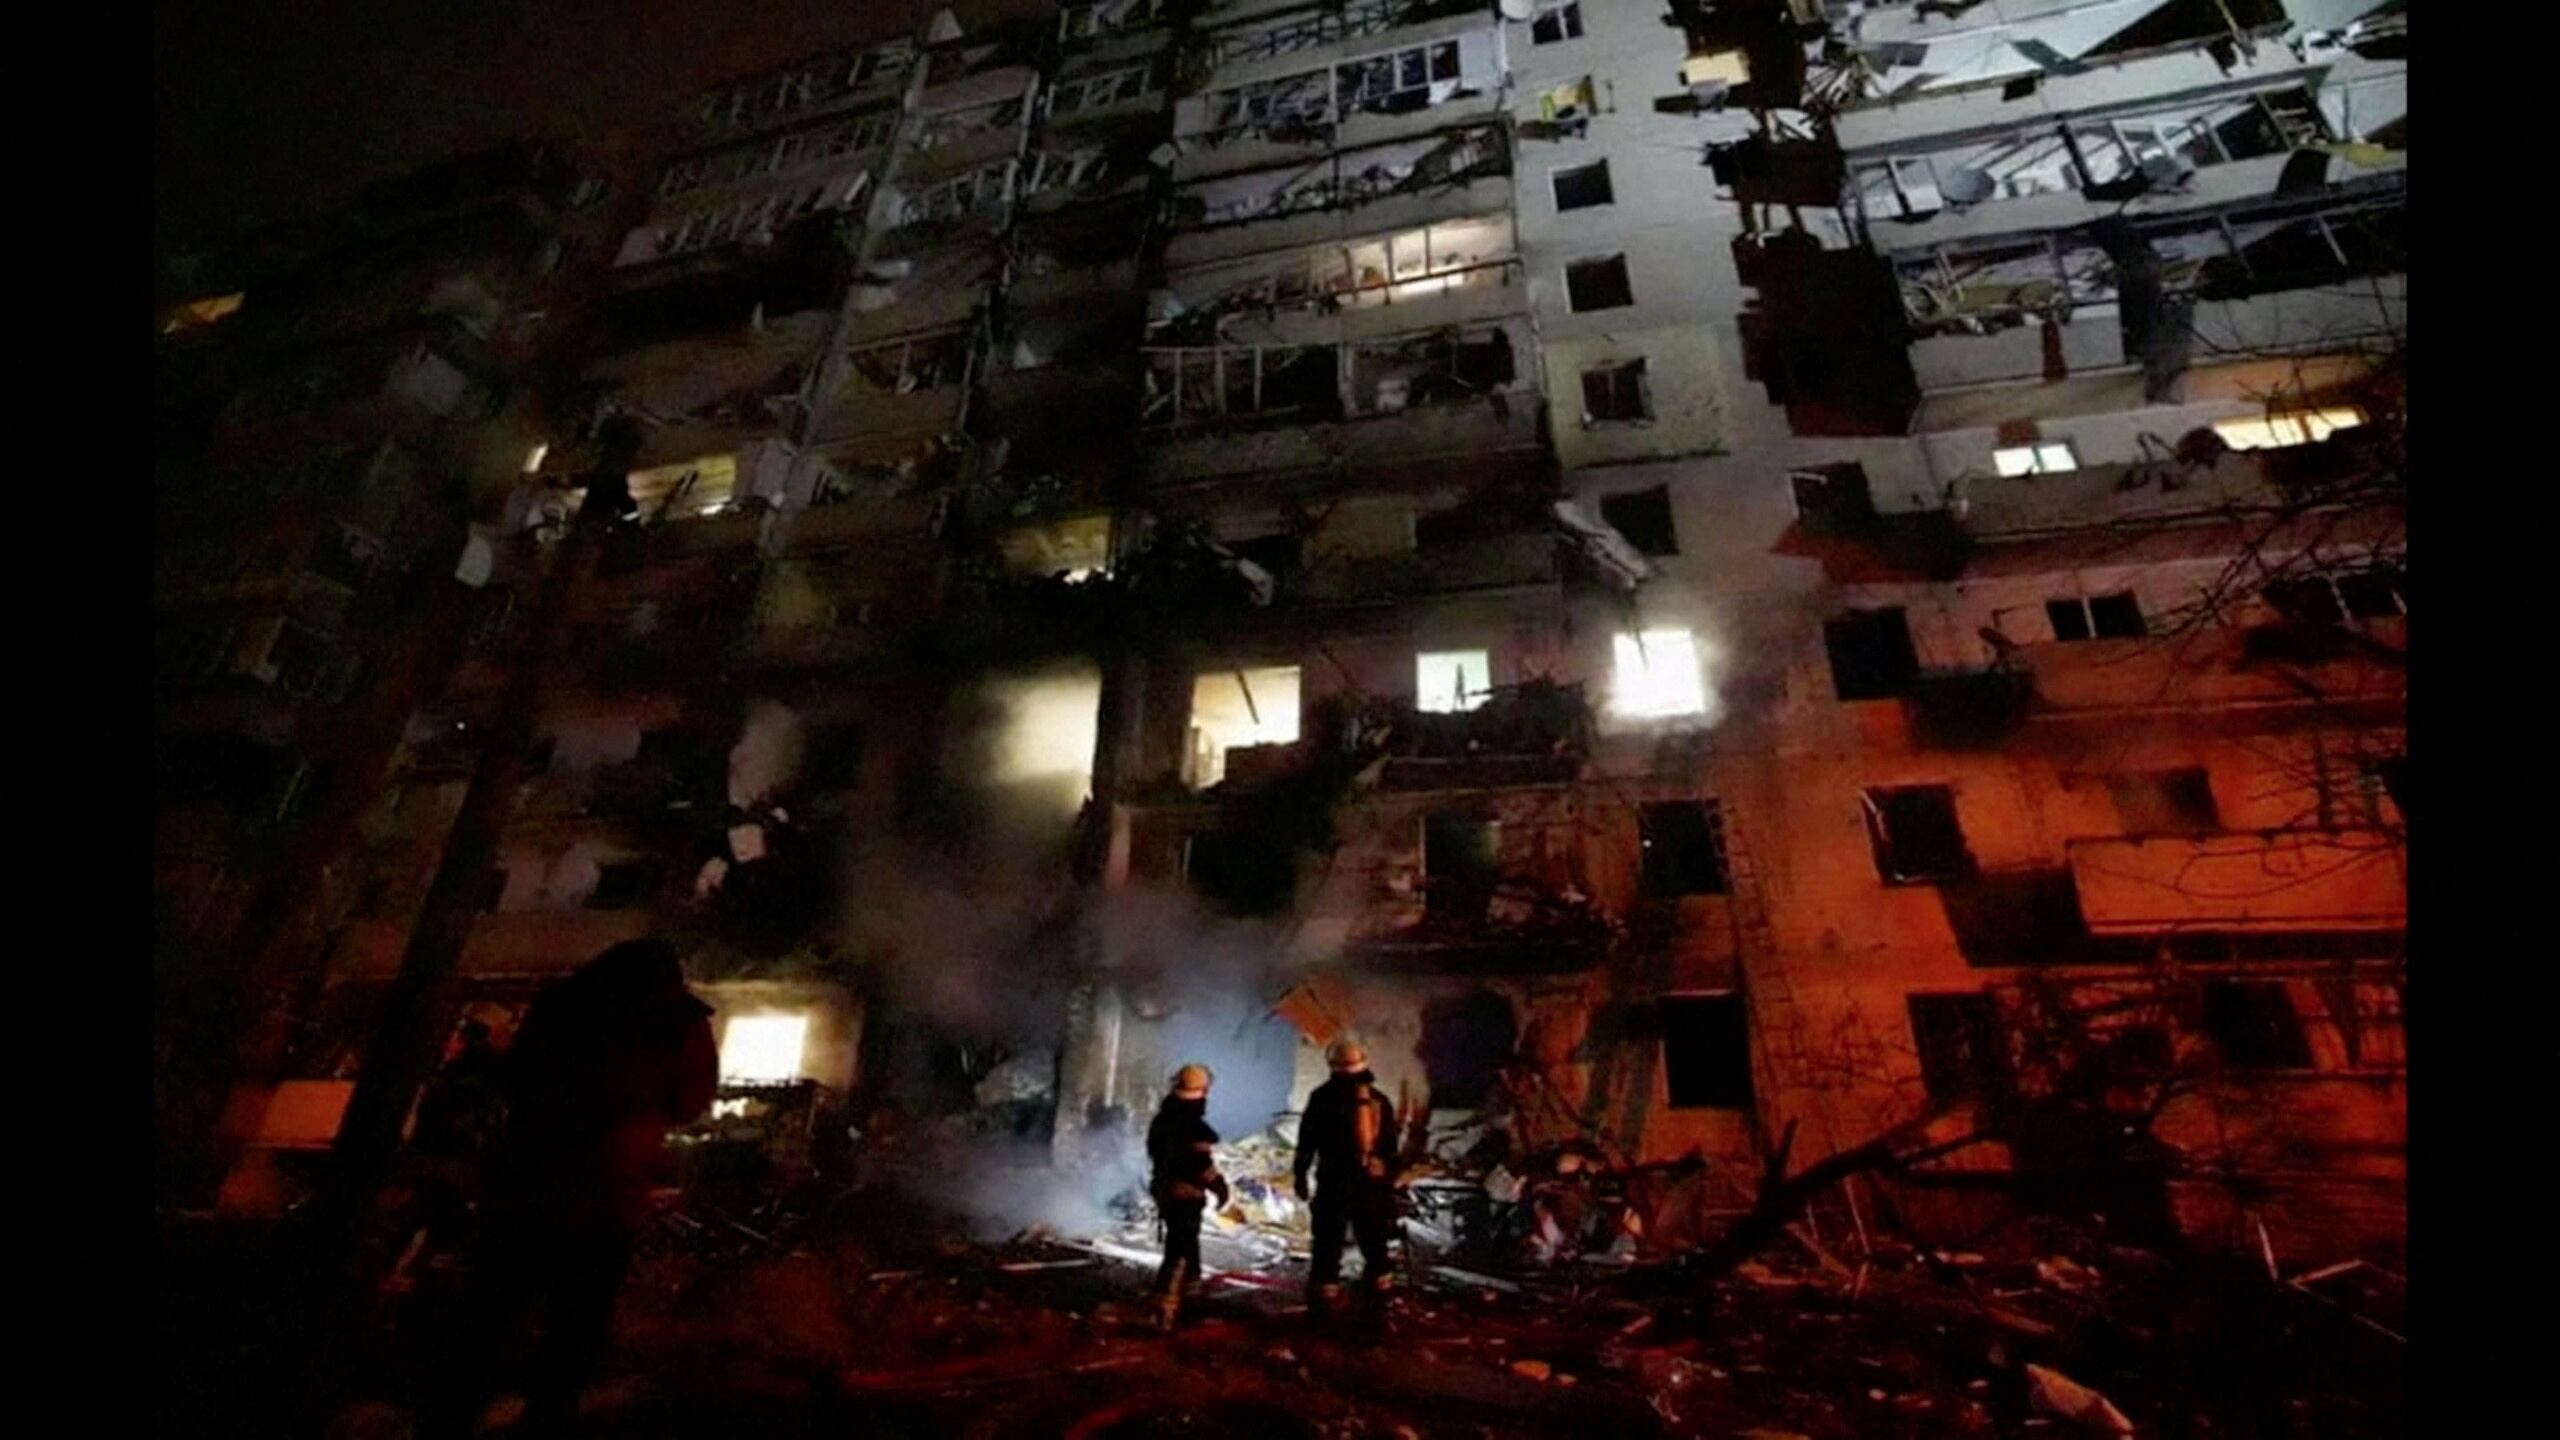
[1658, 676]
[2274, 432]
[2050, 457]
[1231, 709]
[763, 1049]
[1447, 680]
[696, 487]
[534, 457]
[197, 313]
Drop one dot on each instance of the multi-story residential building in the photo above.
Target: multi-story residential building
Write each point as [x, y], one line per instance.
[1805, 571]
[332, 398]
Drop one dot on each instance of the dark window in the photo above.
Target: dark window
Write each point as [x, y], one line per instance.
[538, 758]
[2254, 1024]
[832, 758]
[1461, 860]
[493, 889]
[1833, 499]
[2376, 594]
[1706, 1052]
[1683, 845]
[1598, 284]
[300, 657]
[1644, 518]
[624, 885]
[1615, 392]
[2165, 802]
[1246, 872]
[2104, 617]
[1871, 654]
[1560, 22]
[1915, 834]
[1579, 187]
[1962, 1051]
[2116, 617]
[2306, 602]
[1275, 554]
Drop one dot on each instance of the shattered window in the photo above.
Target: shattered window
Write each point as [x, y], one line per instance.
[624, 885]
[1234, 709]
[2275, 432]
[1451, 680]
[1644, 518]
[2255, 1026]
[1657, 676]
[1915, 836]
[1682, 848]
[1598, 284]
[1096, 91]
[1556, 22]
[1962, 1051]
[1706, 1051]
[1871, 654]
[905, 367]
[2165, 802]
[1616, 392]
[1579, 187]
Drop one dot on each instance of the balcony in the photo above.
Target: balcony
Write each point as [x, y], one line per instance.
[1338, 219]
[1490, 563]
[2287, 879]
[1504, 422]
[2363, 665]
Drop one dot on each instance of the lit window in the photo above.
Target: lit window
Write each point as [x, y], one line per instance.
[1232, 709]
[197, 313]
[763, 1049]
[533, 458]
[1658, 675]
[2049, 457]
[1448, 680]
[696, 487]
[2274, 432]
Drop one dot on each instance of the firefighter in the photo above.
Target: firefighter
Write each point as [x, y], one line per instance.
[1348, 1138]
[608, 1060]
[1181, 1154]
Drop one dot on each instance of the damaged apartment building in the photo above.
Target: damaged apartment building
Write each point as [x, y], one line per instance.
[331, 397]
[1815, 570]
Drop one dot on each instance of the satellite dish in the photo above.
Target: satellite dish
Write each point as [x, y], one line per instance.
[1519, 9]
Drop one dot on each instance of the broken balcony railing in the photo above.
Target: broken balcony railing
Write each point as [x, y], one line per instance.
[1328, 382]
[1303, 106]
[1348, 179]
[1400, 269]
[2107, 160]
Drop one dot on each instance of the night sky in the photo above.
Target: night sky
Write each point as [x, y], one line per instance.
[266, 106]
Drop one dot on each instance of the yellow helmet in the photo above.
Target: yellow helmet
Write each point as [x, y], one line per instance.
[1191, 1082]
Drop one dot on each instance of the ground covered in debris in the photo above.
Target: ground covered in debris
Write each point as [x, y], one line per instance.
[883, 1317]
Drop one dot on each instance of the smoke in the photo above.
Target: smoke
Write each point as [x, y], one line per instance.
[973, 932]
[766, 758]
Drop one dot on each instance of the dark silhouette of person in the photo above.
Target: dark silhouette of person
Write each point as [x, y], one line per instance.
[1181, 1154]
[1348, 1138]
[607, 1061]
[456, 1118]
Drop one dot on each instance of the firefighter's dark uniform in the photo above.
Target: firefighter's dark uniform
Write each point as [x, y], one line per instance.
[1348, 1138]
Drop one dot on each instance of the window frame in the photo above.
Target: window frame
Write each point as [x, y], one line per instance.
[1625, 283]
